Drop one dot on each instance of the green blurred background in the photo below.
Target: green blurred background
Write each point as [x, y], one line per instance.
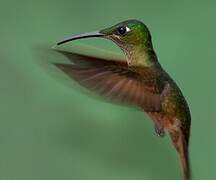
[49, 131]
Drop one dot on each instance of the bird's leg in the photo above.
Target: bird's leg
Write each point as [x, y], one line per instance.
[159, 129]
[158, 121]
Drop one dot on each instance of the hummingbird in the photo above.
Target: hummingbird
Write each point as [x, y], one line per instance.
[138, 80]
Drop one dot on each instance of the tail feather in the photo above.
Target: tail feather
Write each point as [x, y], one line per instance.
[181, 144]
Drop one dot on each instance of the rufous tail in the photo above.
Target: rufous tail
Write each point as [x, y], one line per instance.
[181, 144]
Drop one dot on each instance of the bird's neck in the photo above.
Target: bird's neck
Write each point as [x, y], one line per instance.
[141, 56]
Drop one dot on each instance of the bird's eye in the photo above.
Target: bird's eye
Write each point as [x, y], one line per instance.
[123, 30]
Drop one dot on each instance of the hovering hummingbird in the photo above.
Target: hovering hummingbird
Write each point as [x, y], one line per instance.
[140, 81]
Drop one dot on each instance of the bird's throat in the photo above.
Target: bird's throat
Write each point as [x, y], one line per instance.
[140, 57]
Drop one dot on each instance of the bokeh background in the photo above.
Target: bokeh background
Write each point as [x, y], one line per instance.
[49, 131]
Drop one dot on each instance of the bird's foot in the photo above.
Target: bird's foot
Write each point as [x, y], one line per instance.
[159, 130]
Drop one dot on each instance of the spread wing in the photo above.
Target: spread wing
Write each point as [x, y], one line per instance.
[113, 79]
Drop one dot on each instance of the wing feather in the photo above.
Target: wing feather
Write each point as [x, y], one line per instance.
[113, 79]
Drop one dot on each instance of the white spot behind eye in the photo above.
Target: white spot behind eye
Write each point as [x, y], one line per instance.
[127, 29]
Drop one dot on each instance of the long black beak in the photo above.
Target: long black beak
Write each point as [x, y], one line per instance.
[81, 36]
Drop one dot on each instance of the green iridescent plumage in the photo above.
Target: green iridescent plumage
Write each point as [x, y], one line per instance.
[140, 81]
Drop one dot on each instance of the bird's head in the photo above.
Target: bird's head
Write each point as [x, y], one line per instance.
[130, 35]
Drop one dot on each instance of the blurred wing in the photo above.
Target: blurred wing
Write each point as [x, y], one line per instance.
[112, 79]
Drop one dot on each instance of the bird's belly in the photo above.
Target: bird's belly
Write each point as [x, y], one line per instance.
[166, 121]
